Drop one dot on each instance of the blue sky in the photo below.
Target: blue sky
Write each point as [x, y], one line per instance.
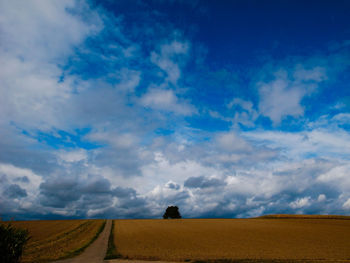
[117, 109]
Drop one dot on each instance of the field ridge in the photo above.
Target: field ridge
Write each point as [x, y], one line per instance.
[291, 216]
[111, 249]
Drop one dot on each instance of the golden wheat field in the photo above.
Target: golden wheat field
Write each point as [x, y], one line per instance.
[54, 239]
[209, 239]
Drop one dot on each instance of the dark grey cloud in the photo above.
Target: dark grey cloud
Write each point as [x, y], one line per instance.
[59, 192]
[94, 201]
[90, 196]
[64, 191]
[176, 199]
[132, 203]
[172, 185]
[15, 191]
[23, 179]
[203, 182]
[128, 198]
[3, 178]
[95, 186]
[122, 192]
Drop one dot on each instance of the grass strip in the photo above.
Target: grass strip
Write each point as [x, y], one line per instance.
[263, 261]
[112, 250]
[81, 249]
[286, 216]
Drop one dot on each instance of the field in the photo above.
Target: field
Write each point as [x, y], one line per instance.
[54, 239]
[212, 239]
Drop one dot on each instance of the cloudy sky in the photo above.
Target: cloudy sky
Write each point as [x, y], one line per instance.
[117, 109]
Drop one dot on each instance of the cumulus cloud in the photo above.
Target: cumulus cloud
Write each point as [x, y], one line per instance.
[232, 143]
[319, 141]
[15, 191]
[244, 112]
[202, 182]
[59, 192]
[337, 176]
[128, 79]
[172, 185]
[25, 178]
[300, 202]
[29, 26]
[36, 38]
[169, 59]
[72, 156]
[346, 205]
[166, 100]
[292, 185]
[88, 196]
[282, 96]
[321, 198]
[316, 74]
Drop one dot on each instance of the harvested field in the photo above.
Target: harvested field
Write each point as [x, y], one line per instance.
[54, 239]
[238, 239]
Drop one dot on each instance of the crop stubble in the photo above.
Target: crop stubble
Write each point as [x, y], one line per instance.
[209, 239]
[55, 239]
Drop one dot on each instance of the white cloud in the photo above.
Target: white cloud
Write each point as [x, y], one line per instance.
[321, 198]
[244, 104]
[232, 143]
[298, 145]
[167, 60]
[341, 118]
[162, 170]
[244, 113]
[16, 175]
[346, 205]
[338, 176]
[114, 138]
[282, 96]
[317, 74]
[37, 36]
[279, 99]
[129, 79]
[166, 100]
[44, 30]
[300, 202]
[72, 156]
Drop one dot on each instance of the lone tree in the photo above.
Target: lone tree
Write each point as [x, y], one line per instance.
[172, 212]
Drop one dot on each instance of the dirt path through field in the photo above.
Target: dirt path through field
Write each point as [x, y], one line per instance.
[96, 252]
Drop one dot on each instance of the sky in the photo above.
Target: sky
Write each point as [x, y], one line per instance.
[227, 109]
